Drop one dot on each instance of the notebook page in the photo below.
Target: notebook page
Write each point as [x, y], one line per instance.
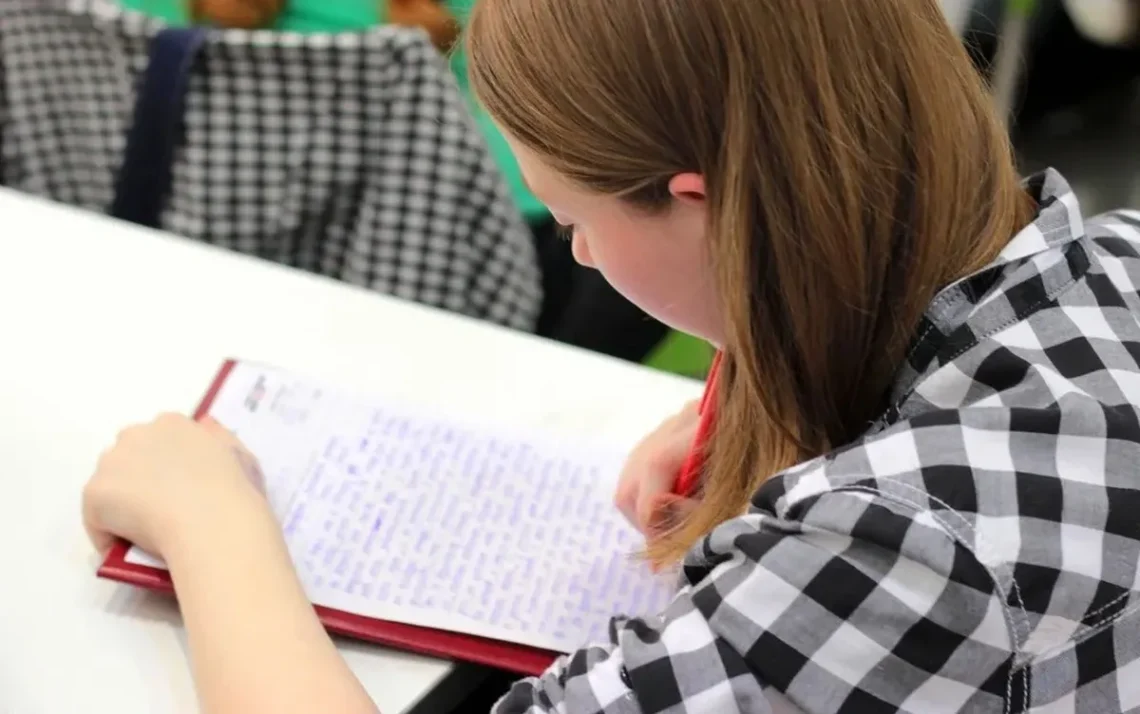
[399, 515]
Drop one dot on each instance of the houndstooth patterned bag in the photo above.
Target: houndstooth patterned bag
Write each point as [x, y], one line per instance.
[350, 155]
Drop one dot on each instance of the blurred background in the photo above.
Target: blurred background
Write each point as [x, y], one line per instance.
[82, 80]
[1076, 104]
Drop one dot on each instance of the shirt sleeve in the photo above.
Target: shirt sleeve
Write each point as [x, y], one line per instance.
[672, 663]
[886, 613]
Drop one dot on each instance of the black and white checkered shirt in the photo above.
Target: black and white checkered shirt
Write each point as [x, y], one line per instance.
[350, 155]
[979, 552]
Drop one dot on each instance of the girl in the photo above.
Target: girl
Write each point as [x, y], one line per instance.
[918, 489]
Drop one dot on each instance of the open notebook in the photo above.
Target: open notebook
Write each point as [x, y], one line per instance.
[432, 534]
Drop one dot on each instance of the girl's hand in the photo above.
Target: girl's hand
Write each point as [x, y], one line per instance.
[188, 492]
[162, 482]
[645, 491]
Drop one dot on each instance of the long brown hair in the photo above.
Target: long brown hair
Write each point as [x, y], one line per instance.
[252, 14]
[853, 163]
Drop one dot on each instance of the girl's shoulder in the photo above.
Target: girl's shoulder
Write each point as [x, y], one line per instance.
[1010, 446]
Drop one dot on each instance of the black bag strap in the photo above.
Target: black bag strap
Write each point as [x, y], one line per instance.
[143, 184]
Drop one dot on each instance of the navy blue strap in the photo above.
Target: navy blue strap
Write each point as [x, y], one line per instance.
[143, 184]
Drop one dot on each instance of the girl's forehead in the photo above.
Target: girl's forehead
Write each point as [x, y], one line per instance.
[542, 180]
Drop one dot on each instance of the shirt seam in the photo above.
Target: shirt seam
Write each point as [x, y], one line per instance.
[1019, 663]
[1034, 308]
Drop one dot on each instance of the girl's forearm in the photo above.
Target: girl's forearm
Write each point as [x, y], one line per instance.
[255, 642]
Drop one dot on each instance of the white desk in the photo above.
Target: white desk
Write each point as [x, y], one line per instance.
[103, 324]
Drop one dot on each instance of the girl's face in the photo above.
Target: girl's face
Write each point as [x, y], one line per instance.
[657, 261]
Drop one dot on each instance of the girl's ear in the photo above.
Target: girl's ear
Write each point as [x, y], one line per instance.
[688, 187]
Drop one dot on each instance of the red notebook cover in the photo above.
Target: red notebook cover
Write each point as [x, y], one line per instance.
[436, 643]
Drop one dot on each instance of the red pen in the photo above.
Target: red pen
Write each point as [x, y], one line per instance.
[690, 473]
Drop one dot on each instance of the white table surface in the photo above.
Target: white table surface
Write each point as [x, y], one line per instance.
[103, 324]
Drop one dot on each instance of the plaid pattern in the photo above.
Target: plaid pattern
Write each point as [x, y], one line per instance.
[351, 155]
[978, 551]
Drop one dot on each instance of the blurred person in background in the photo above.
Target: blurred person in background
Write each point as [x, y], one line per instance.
[579, 307]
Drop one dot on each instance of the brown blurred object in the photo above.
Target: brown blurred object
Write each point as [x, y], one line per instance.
[242, 14]
[428, 14]
[252, 14]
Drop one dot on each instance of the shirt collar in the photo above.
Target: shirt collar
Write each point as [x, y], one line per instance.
[1058, 219]
[961, 313]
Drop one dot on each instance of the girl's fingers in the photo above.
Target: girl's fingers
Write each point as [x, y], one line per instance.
[215, 428]
[101, 540]
[669, 510]
[652, 469]
[625, 502]
[660, 476]
[658, 483]
[248, 461]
